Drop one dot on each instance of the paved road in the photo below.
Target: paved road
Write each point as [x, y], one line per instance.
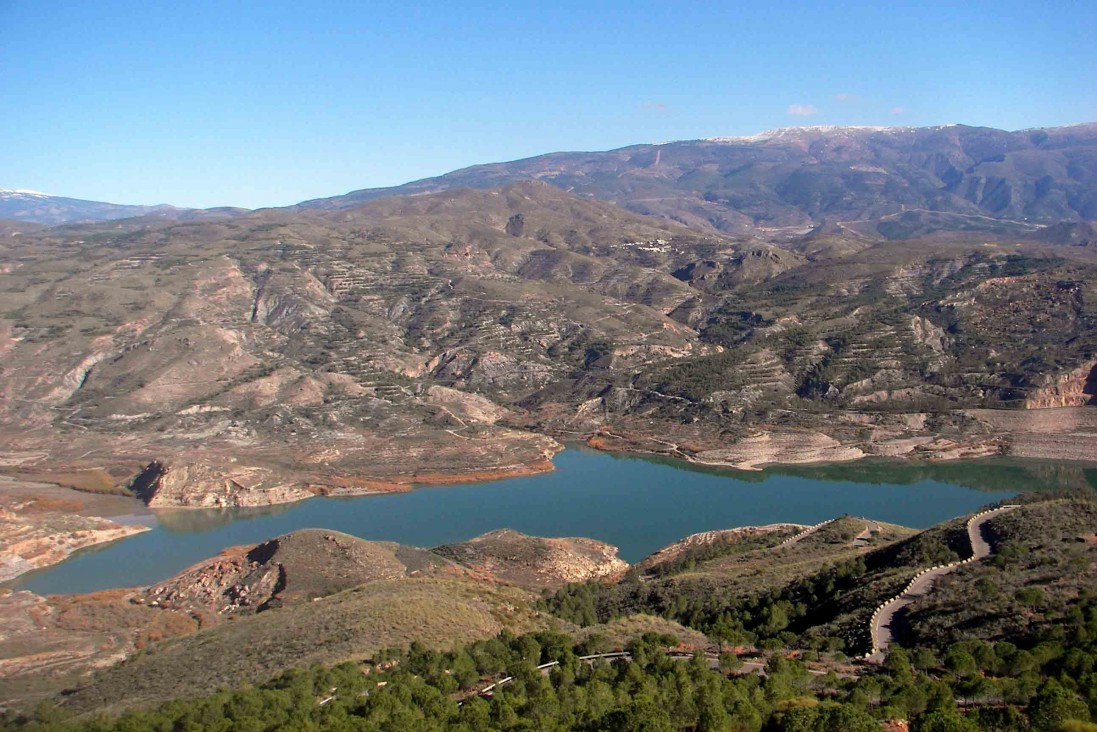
[806, 533]
[980, 547]
[881, 630]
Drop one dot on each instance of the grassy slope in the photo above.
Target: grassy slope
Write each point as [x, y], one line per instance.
[440, 613]
[1046, 561]
[1043, 566]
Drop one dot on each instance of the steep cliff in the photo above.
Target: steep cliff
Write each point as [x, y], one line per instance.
[1075, 388]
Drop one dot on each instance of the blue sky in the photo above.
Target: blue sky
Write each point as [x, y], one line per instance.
[270, 103]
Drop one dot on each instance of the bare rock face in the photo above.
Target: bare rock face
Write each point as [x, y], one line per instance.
[490, 370]
[198, 485]
[464, 406]
[1077, 388]
[268, 356]
[534, 562]
[926, 333]
[262, 361]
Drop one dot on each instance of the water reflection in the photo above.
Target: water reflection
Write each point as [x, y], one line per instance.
[987, 474]
[1023, 475]
[200, 520]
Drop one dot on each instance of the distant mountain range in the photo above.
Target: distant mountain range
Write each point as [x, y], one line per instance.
[898, 182]
[42, 208]
[889, 182]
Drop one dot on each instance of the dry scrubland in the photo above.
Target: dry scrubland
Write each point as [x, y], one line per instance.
[269, 356]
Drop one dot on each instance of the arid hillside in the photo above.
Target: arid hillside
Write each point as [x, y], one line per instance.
[264, 358]
[761, 592]
[309, 596]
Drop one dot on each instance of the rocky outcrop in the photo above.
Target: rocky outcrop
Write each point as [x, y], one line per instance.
[708, 538]
[315, 563]
[464, 406]
[534, 562]
[301, 566]
[489, 371]
[1076, 388]
[73, 379]
[198, 485]
[289, 306]
[928, 334]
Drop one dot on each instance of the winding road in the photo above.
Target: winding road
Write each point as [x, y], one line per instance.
[881, 619]
[881, 629]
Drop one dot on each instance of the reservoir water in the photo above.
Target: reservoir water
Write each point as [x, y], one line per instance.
[636, 504]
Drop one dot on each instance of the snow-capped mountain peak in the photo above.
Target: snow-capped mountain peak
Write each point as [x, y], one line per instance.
[790, 132]
[22, 192]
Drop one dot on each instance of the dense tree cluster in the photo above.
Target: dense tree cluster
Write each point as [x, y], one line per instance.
[974, 686]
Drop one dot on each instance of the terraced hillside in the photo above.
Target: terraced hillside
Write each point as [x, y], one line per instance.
[269, 357]
[892, 350]
[756, 587]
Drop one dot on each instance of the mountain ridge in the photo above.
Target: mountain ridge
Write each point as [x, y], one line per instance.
[462, 335]
[802, 177]
[778, 180]
[45, 208]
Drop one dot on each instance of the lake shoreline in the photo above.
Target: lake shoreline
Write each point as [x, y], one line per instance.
[42, 524]
[635, 502]
[124, 517]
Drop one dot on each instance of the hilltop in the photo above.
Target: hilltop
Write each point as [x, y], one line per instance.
[310, 596]
[816, 590]
[509, 556]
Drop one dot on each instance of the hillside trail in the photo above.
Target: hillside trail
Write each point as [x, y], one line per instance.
[881, 630]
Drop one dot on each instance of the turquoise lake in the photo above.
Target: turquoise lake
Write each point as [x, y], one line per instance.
[636, 504]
